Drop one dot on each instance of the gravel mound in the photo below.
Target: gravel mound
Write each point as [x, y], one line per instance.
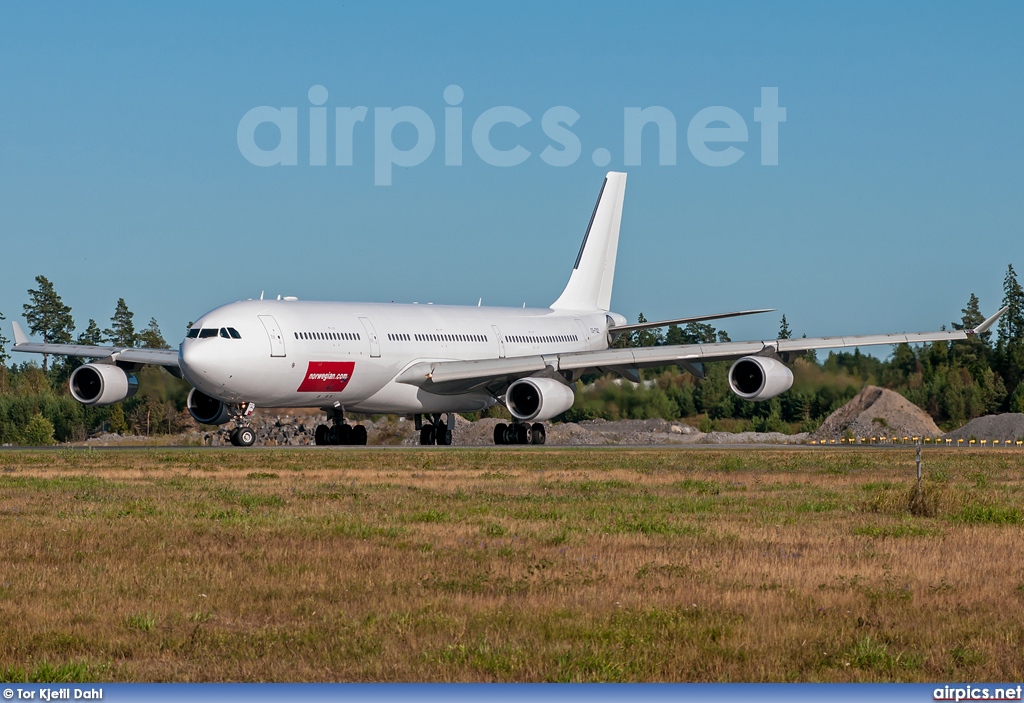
[1001, 427]
[877, 412]
[752, 438]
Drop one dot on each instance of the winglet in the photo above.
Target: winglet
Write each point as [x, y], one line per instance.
[983, 327]
[19, 335]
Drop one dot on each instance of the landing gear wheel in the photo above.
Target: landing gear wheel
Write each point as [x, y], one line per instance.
[427, 434]
[233, 437]
[499, 433]
[444, 436]
[524, 434]
[343, 434]
[244, 436]
[510, 434]
[321, 435]
[358, 435]
[539, 434]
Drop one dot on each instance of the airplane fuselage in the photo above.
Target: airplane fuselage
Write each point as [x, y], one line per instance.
[291, 353]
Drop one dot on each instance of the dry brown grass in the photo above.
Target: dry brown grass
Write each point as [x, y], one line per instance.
[510, 564]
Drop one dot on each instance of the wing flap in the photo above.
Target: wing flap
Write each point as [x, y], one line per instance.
[439, 372]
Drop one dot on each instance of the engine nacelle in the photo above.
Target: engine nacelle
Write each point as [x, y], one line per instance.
[538, 398]
[206, 410]
[759, 378]
[102, 384]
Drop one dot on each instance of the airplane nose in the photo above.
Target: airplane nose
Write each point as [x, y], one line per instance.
[199, 363]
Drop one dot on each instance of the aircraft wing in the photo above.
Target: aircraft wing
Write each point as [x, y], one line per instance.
[460, 376]
[157, 357]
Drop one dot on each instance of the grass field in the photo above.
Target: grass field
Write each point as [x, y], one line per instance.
[511, 564]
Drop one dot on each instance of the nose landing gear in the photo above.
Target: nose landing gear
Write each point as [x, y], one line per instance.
[243, 435]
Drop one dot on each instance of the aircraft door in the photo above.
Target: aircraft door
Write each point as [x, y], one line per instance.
[372, 336]
[585, 338]
[274, 332]
[501, 341]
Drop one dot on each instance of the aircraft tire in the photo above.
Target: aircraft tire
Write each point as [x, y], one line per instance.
[427, 435]
[539, 434]
[245, 436]
[359, 435]
[524, 434]
[444, 436]
[343, 434]
[320, 435]
[499, 433]
[233, 437]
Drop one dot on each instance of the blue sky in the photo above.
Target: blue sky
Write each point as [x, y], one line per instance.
[897, 194]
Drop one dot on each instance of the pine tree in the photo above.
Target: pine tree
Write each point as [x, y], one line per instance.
[92, 336]
[647, 337]
[784, 331]
[4, 356]
[121, 332]
[973, 352]
[151, 337]
[1010, 344]
[47, 315]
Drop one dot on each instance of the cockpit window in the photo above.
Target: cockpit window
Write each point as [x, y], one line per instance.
[234, 333]
[193, 333]
[207, 333]
[224, 333]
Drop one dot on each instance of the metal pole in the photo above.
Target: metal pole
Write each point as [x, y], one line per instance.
[918, 459]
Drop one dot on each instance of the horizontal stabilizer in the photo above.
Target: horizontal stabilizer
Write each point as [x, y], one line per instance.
[684, 320]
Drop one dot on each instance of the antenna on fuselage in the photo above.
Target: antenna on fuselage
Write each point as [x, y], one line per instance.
[479, 302]
[261, 294]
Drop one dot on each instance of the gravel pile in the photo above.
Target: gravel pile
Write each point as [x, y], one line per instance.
[751, 438]
[877, 412]
[1001, 427]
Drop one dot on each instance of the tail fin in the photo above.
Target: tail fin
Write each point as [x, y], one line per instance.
[590, 284]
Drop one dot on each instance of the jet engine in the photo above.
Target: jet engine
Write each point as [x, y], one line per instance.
[102, 384]
[759, 378]
[538, 399]
[206, 410]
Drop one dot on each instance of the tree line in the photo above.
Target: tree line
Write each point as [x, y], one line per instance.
[953, 381]
[35, 405]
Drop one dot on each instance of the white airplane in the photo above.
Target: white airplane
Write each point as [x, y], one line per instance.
[431, 361]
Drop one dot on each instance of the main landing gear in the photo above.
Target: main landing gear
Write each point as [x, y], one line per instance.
[434, 431]
[243, 435]
[340, 432]
[519, 433]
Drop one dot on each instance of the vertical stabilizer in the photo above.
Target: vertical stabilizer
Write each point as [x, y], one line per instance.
[590, 284]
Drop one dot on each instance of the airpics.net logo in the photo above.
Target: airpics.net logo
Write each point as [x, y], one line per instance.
[715, 136]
